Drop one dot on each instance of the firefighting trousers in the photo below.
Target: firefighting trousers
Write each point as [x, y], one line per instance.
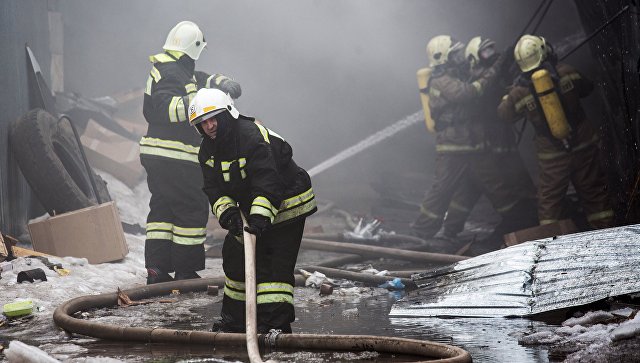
[464, 199]
[177, 220]
[582, 168]
[484, 170]
[276, 255]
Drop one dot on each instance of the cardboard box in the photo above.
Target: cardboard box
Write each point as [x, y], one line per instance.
[94, 233]
[565, 226]
[113, 154]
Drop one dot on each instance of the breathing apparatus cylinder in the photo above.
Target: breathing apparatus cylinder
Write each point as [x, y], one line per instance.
[551, 105]
[423, 75]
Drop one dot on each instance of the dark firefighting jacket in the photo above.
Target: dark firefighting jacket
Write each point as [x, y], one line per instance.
[252, 167]
[450, 99]
[571, 86]
[170, 87]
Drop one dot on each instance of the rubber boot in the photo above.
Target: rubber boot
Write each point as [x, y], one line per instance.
[181, 275]
[155, 275]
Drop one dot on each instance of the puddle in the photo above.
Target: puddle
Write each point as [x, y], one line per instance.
[348, 311]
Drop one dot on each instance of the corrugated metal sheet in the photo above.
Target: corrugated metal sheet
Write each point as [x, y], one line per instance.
[532, 277]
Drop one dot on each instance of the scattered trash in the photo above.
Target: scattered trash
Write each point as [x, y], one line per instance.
[6, 266]
[175, 292]
[315, 279]
[32, 275]
[212, 290]
[395, 284]
[18, 308]
[20, 352]
[364, 231]
[326, 289]
[590, 318]
[124, 299]
[624, 312]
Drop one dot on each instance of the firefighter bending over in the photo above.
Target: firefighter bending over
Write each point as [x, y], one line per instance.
[249, 169]
[548, 94]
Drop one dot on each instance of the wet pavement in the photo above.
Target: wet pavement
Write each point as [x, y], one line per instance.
[352, 310]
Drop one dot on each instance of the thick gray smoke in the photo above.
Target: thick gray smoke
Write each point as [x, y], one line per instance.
[324, 74]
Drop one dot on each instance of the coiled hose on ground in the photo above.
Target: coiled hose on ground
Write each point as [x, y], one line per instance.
[62, 316]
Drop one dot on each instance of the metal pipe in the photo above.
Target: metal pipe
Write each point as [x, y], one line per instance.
[377, 251]
[63, 317]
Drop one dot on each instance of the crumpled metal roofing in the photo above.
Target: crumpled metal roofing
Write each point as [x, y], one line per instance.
[532, 277]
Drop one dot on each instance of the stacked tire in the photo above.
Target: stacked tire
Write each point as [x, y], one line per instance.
[50, 159]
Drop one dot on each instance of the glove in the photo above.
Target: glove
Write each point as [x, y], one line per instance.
[231, 221]
[231, 87]
[257, 224]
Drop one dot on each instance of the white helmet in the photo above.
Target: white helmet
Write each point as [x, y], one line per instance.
[475, 47]
[530, 52]
[186, 37]
[440, 47]
[209, 102]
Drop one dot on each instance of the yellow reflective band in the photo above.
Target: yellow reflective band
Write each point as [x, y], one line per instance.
[553, 155]
[434, 92]
[226, 177]
[274, 287]
[161, 58]
[457, 148]
[547, 221]
[236, 285]
[264, 132]
[173, 116]
[600, 215]
[459, 207]
[296, 200]
[219, 79]
[147, 89]
[295, 212]
[428, 213]
[163, 226]
[274, 298]
[208, 83]
[171, 154]
[208, 108]
[221, 205]
[264, 203]
[210, 162]
[243, 174]
[523, 102]
[186, 231]
[272, 133]
[169, 144]
[478, 86]
[242, 162]
[155, 73]
[506, 208]
[181, 110]
[160, 235]
[234, 294]
[226, 165]
[188, 241]
[190, 87]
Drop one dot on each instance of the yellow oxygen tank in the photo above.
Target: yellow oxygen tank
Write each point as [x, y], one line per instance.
[551, 105]
[423, 80]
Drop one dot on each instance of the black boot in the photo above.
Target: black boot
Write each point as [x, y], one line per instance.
[155, 275]
[180, 275]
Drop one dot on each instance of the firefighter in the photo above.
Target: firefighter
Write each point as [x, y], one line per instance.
[248, 169]
[460, 149]
[169, 153]
[481, 53]
[548, 94]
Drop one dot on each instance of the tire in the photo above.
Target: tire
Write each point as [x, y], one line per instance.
[49, 157]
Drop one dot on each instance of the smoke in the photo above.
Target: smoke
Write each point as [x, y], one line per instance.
[323, 74]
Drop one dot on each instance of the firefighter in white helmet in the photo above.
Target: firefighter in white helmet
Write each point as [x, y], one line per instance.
[566, 142]
[169, 153]
[249, 169]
